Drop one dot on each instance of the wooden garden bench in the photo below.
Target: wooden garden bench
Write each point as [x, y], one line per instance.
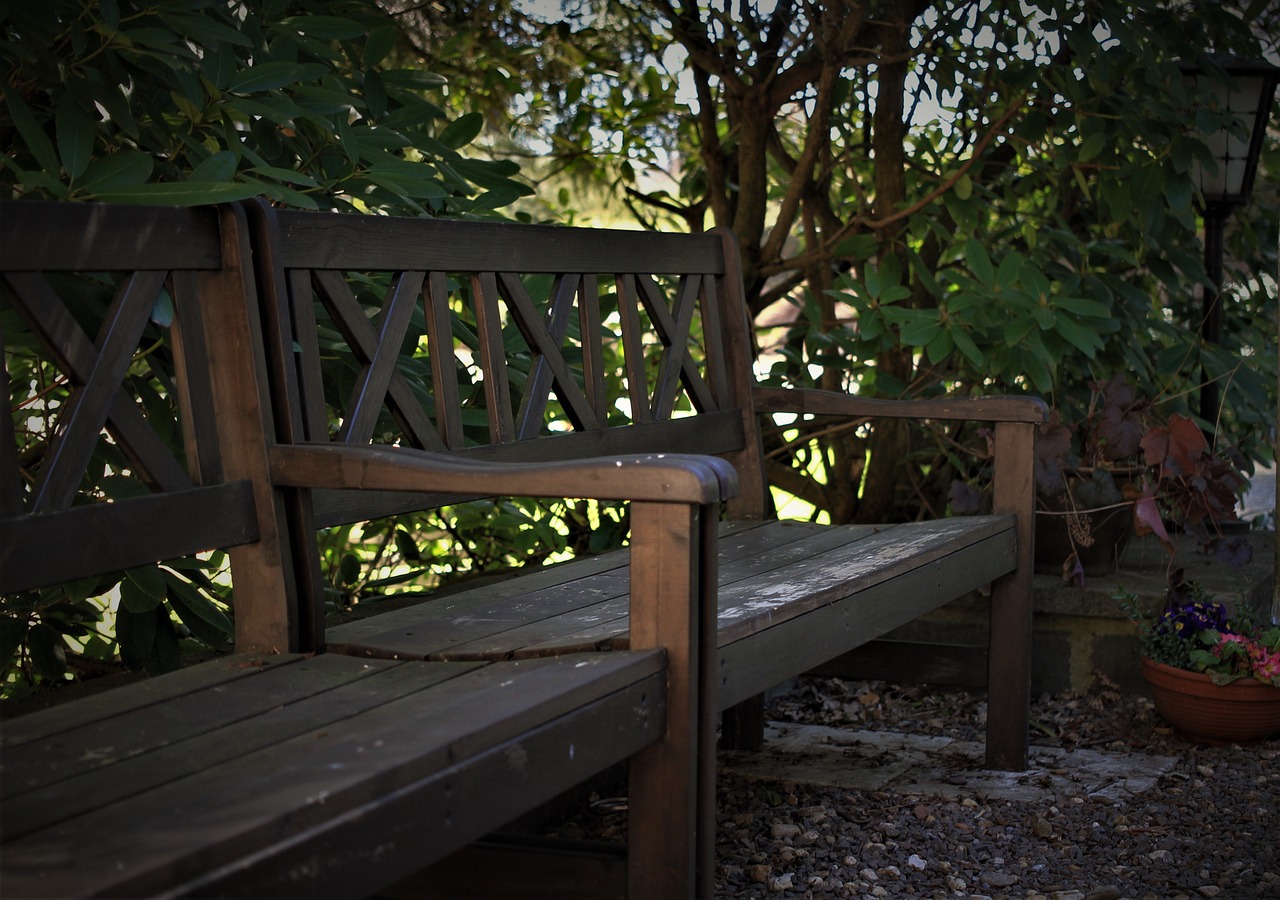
[281, 770]
[461, 336]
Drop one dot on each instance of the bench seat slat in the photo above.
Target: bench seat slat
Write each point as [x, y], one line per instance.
[766, 657]
[41, 725]
[254, 725]
[298, 788]
[81, 750]
[538, 606]
[769, 573]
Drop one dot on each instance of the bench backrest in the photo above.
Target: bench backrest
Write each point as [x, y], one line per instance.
[503, 341]
[122, 321]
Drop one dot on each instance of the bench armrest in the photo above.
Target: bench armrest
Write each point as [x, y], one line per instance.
[663, 478]
[830, 403]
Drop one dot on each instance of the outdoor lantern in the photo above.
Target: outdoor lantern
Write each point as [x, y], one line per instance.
[1247, 98]
[1235, 142]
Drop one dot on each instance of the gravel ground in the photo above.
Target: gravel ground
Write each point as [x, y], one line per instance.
[1208, 827]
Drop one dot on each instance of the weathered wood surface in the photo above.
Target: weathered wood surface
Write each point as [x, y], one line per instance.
[769, 574]
[252, 785]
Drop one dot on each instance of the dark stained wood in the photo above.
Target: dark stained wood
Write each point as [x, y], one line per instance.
[278, 774]
[284, 810]
[768, 656]
[150, 692]
[74, 353]
[982, 409]
[910, 662]
[38, 551]
[328, 241]
[1009, 680]
[531, 868]
[67, 237]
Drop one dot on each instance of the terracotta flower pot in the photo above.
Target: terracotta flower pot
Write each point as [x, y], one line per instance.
[1199, 710]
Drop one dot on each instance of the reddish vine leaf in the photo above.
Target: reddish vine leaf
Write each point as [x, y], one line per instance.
[1176, 449]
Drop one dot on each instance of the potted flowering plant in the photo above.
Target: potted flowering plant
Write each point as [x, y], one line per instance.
[1214, 674]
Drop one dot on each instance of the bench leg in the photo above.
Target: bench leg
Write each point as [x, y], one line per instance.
[671, 843]
[742, 726]
[1009, 673]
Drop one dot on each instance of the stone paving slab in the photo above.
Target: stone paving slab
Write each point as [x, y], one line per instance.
[939, 766]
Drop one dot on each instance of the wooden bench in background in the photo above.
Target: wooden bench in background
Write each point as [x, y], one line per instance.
[281, 770]
[788, 595]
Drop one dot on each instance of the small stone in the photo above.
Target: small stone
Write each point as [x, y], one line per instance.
[1161, 855]
[783, 831]
[1209, 890]
[969, 803]
[868, 875]
[955, 883]
[1105, 893]
[916, 862]
[758, 874]
[780, 884]
[999, 879]
[849, 861]
[890, 872]
[1040, 827]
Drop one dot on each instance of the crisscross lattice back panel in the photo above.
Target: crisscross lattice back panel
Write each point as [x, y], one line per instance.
[505, 341]
[110, 457]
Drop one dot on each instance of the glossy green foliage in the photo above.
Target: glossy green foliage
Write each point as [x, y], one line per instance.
[200, 101]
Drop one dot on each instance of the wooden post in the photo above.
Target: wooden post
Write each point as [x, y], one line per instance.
[1009, 672]
[266, 610]
[672, 799]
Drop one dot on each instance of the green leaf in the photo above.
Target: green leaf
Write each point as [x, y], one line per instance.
[378, 46]
[968, 347]
[921, 329]
[979, 262]
[48, 652]
[289, 176]
[1081, 338]
[143, 589]
[220, 167]
[162, 309]
[964, 187]
[1092, 145]
[206, 621]
[122, 169]
[136, 636]
[414, 79]
[32, 133]
[461, 131]
[75, 136]
[271, 76]
[375, 94]
[181, 194]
